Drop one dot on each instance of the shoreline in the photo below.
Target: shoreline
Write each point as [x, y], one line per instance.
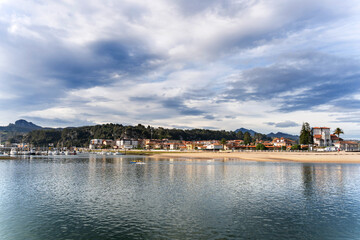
[6, 158]
[302, 157]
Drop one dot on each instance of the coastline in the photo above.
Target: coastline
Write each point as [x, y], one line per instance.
[6, 158]
[304, 157]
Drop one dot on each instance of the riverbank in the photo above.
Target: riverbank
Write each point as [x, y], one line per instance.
[306, 157]
[6, 158]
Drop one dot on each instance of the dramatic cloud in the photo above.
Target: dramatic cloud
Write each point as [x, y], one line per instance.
[284, 124]
[299, 82]
[215, 64]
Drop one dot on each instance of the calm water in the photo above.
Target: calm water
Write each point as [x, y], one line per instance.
[108, 198]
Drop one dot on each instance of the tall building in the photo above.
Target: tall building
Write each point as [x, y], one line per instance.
[322, 136]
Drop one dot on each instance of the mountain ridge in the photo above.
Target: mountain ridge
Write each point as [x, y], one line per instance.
[271, 134]
[21, 126]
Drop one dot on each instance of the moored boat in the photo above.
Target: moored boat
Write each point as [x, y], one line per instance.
[13, 151]
[137, 162]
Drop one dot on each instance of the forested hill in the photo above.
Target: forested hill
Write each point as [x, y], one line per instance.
[81, 136]
[18, 128]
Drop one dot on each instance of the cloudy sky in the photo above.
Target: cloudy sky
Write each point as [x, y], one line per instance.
[268, 65]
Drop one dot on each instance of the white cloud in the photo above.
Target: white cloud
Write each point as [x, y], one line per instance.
[163, 52]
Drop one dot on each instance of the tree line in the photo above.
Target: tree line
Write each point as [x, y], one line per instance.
[81, 136]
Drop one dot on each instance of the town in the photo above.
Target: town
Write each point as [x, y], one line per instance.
[322, 138]
[319, 139]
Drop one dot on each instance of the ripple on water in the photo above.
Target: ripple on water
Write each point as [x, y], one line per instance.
[112, 199]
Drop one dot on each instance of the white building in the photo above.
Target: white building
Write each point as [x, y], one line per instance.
[347, 145]
[214, 147]
[322, 136]
[96, 141]
[127, 143]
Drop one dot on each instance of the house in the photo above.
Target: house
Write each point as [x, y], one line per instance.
[175, 145]
[189, 145]
[322, 136]
[347, 145]
[335, 138]
[96, 141]
[282, 142]
[214, 147]
[153, 144]
[127, 143]
[233, 144]
[108, 142]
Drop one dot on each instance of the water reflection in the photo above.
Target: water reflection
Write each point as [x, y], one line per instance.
[102, 197]
[323, 179]
[308, 178]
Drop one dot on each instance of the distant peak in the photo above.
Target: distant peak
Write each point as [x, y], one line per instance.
[21, 121]
[25, 124]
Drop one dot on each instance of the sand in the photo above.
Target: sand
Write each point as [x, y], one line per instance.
[310, 157]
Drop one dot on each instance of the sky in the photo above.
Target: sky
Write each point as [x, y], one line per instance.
[266, 65]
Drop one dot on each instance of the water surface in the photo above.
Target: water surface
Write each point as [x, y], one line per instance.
[109, 198]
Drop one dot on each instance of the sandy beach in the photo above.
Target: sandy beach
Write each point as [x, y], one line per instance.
[310, 157]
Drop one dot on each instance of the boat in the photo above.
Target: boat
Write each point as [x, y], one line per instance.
[137, 162]
[32, 151]
[70, 153]
[24, 153]
[117, 153]
[13, 151]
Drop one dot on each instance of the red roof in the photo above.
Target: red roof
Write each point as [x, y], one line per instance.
[334, 137]
[321, 128]
[348, 142]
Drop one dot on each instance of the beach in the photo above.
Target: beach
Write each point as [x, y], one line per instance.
[306, 157]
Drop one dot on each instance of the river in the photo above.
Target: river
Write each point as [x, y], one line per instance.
[107, 197]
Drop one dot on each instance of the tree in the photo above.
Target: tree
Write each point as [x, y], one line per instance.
[260, 146]
[258, 136]
[305, 134]
[338, 131]
[240, 135]
[247, 138]
[295, 147]
[223, 142]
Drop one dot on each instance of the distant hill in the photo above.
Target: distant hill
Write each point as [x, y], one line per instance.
[20, 126]
[284, 135]
[244, 130]
[271, 135]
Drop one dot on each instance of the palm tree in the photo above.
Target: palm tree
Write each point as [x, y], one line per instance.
[223, 142]
[338, 131]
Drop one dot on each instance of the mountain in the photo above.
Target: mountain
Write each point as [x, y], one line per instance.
[244, 130]
[20, 126]
[284, 135]
[271, 135]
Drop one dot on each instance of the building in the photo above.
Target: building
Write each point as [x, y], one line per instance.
[96, 141]
[335, 139]
[347, 145]
[108, 142]
[282, 142]
[322, 136]
[127, 143]
[214, 147]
